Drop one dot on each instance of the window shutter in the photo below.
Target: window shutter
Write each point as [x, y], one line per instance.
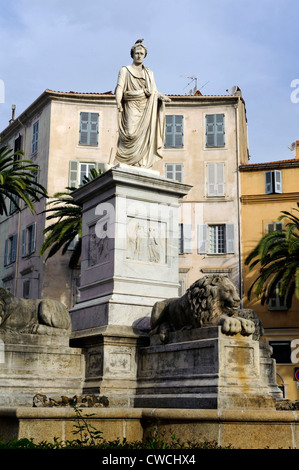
[230, 238]
[187, 238]
[83, 137]
[73, 174]
[168, 131]
[93, 129]
[33, 238]
[178, 131]
[270, 227]
[169, 171]
[220, 179]
[278, 181]
[219, 128]
[210, 133]
[88, 128]
[173, 131]
[215, 130]
[23, 248]
[5, 252]
[14, 248]
[211, 177]
[100, 166]
[179, 173]
[268, 182]
[202, 239]
[215, 179]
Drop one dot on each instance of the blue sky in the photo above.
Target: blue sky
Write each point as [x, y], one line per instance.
[73, 45]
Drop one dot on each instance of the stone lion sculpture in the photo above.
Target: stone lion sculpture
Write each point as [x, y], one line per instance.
[211, 300]
[42, 316]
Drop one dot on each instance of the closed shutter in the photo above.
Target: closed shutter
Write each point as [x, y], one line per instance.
[73, 174]
[215, 132]
[202, 239]
[230, 238]
[88, 128]
[23, 248]
[5, 252]
[173, 131]
[215, 179]
[93, 129]
[219, 129]
[14, 248]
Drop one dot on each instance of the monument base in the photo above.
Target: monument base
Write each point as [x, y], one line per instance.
[111, 362]
[202, 368]
[38, 364]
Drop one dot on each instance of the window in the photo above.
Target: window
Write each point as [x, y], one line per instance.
[28, 240]
[281, 351]
[10, 249]
[185, 238]
[276, 302]
[215, 179]
[215, 239]
[273, 226]
[26, 289]
[173, 131]
[215, 132]
[35, 137]
[78, 170]
[174, 172]
[89, 123]
[273, 182]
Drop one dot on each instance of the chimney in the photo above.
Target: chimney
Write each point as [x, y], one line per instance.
[13, 110]
[297, 150]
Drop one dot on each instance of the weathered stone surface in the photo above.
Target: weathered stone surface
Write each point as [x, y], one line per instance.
[41, 364]
[41, 316]
[202, 368]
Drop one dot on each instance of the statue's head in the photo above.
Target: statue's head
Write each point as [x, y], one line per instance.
[138, 44]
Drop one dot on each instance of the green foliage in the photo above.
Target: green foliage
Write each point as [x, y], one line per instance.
[277, 257]
[18, 181]
[66, 216]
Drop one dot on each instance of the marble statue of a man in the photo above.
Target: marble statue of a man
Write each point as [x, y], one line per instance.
[141, 113]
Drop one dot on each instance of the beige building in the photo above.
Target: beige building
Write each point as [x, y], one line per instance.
[267, 190]
[67, 134]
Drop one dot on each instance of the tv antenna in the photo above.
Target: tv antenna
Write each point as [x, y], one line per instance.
[194, 89]
[292, 146]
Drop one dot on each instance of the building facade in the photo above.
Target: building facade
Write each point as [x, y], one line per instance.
[67, 134]
[267, 190]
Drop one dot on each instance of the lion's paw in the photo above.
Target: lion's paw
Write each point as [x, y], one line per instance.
[248, 327]
[230, 325]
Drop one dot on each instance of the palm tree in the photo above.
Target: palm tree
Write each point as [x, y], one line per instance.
[277, 255]
[18, 181]
[66, 229]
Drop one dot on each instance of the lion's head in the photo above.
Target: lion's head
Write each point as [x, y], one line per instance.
[212, 296]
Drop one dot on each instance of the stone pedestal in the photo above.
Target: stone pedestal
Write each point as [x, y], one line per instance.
[32, 364]
[129, 261]
[202, 368]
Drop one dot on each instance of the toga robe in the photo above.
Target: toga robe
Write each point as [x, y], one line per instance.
[142, 122]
